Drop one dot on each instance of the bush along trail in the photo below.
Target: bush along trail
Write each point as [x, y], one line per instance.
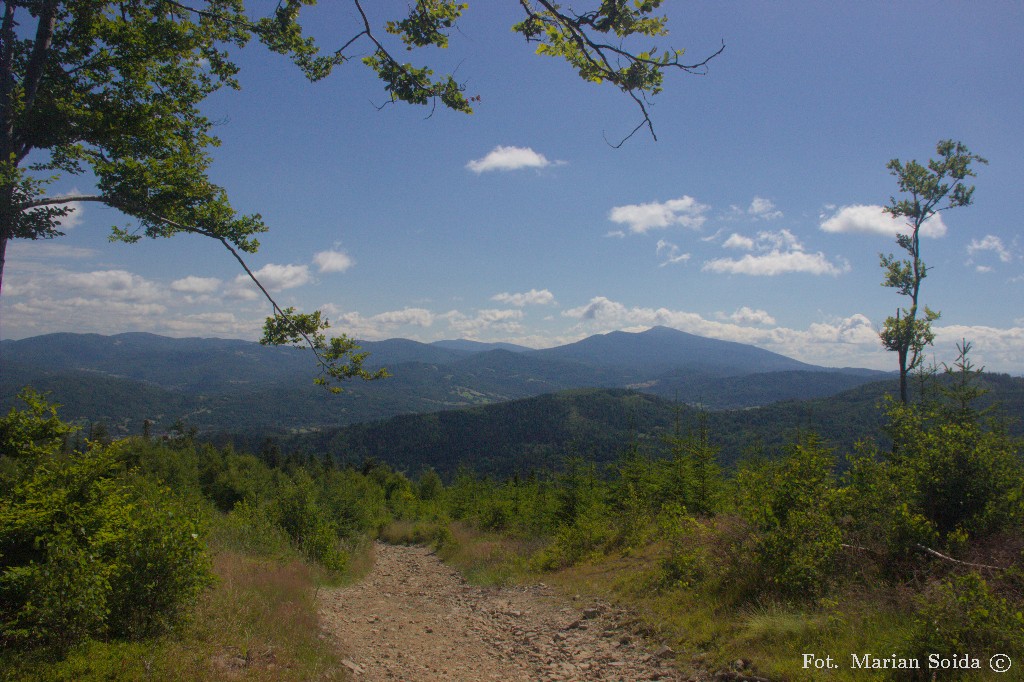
[415, 618]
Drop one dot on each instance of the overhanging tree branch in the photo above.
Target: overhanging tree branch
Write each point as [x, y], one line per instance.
[308, 328]
[566, 35]
[286, 325]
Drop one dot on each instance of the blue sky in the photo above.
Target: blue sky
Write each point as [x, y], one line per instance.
[752, 218]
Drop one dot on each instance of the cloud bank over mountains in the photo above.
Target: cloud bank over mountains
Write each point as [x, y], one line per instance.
[54, 287]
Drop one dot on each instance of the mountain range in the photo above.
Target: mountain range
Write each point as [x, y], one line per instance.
[231, 386]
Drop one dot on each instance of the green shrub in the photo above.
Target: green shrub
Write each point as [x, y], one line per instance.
[232, 478]
[687, 560]
[87, 549]
[250, 529]
[308, 523]
[437, 534]
[574, 542]
[791, 506]
[495, 512]
[635, 498]
[963, 615]
[33, 432]
[879, 518]
[158, 561]
[355, 503]
[957, 468]
[957, 474]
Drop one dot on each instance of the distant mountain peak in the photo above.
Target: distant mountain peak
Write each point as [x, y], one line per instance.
[663, 348]
[478, 346]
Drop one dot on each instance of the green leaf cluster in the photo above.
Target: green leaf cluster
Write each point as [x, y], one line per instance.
[596, 60]
[338, 358]
[427, 23]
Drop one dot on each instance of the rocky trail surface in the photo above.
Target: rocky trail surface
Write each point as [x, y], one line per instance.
[413, 618]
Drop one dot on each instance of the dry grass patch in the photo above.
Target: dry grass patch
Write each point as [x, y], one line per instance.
[259, 623]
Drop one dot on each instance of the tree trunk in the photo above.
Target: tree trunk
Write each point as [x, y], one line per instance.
[903, 377]
[3, 258]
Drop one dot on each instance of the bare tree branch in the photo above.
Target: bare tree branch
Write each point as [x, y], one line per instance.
[939, 555]
[241, 261]
[65, 199]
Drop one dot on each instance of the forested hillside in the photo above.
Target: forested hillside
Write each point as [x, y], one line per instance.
[600, 424]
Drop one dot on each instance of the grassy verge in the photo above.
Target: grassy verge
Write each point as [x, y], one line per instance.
[710, 630]
[257, 622]
[705, 625]
[488, 558]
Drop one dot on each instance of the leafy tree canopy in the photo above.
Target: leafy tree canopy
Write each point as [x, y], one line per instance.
[115, 87]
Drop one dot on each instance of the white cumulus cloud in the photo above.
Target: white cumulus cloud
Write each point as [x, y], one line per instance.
[776, 263]
[111, 284]
[22, 249]
[531, 297]
[489, 320]
[277, 277]
[503, 158]
[380, 325]
[738, 241]
[856, 329]
[333, 261]
[417, 317]
[991, 346]
[992, 243]
[748, 315]
[777, 253]
[873, 219]
[640, 218]
[671, 253]
[599, 308]
[783, 239]
[764, 209]
[196, 285]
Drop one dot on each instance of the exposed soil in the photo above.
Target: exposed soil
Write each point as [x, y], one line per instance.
[413, 618]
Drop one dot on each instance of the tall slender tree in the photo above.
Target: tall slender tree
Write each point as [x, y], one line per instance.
[926, 190]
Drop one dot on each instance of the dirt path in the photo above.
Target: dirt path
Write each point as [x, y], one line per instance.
[415, 619]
